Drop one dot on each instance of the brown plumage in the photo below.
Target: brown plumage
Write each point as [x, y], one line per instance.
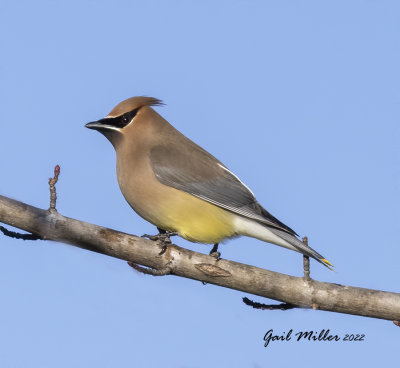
[178, 186]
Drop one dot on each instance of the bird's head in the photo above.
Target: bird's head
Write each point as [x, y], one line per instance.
[121, 116]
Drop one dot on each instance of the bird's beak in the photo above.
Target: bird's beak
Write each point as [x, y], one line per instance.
[94, 125]
[101, 125]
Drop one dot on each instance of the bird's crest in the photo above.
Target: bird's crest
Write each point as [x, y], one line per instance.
[133, 103]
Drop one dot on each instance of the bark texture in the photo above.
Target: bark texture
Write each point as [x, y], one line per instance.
[298, 291]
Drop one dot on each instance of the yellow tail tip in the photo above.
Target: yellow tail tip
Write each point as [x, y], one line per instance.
[327, 262]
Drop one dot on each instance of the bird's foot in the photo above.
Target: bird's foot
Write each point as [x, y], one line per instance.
[214, 252]
[163, 236]
[216, 255]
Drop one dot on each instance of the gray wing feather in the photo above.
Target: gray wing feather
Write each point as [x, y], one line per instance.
[193, 170]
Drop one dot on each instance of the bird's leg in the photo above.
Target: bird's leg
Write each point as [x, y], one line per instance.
[163, 236]
[214, 252]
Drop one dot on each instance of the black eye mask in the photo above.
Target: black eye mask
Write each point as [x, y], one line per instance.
[120, 121]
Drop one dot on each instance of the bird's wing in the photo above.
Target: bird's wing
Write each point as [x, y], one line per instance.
[193, 170]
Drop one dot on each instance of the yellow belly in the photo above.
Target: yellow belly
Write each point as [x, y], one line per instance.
[194, 219]
[169, 208]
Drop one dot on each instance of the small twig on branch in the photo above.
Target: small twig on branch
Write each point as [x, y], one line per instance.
[14, 234]
[256, 305]
[52, 185]
[152, 271]
[196, 266]
[306, 262]
[53, 199]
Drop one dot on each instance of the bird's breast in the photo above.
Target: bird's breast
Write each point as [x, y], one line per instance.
[171, 209]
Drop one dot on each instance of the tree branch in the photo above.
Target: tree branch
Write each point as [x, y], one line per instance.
[297, 291]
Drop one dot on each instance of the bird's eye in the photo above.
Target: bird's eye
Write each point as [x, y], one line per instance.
[122, 120]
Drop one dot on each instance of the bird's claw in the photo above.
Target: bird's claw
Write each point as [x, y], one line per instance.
[151, 237]
[216, 255]
[164, 237]
[214, 252]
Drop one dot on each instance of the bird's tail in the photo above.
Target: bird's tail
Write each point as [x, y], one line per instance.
[302, 247]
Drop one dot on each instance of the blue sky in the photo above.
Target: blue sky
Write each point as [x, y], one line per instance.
[299, 99]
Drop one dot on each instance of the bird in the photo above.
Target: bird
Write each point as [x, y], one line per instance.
[181, 188]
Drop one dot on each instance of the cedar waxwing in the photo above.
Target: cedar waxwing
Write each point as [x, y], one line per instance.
[182, 189]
